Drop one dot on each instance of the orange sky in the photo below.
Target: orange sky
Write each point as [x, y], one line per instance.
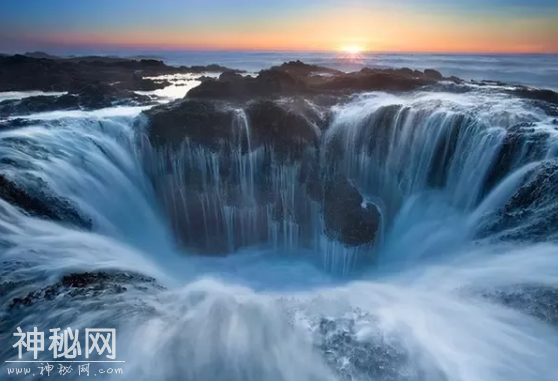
[387, 28]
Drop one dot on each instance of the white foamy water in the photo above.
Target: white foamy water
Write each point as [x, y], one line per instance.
[181, 84]
[4, 96]
[120, 111]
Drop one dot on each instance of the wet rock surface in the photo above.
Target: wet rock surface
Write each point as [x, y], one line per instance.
[541, 302]
[300, 68]
[289, 132]
[433, 74]
[536, 94]
[206, 122]
[544, 99]
[42, 204]
[81, 286]
[15, 123]
[268, 83]
[297, 78]
[62, 302]
[347, 217]
[374, 357]
[531, 214]
[90, 97]
[37, 104]
[288, 125]
[101, 95]
[524, 143]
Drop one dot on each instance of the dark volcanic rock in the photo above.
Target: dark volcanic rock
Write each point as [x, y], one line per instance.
[539, 187]
[37, 72]
[85, 285]
[230, 75]
[536, 94]
[278, 81]
[546, 100]
[297, 78]
[288, 126]
[522, 144]
[433, 74]
[268, 83]
[206, 122]
[213, 68]
[539, 301]
[375, 357]
[346, 218]
[107, 297]
[409, 72]
[486, 82]
[101, 95]
[16, 123]
[374, 80]
[531, 214]
[42, 205]
[204, 78]
[299, 68]
[89, 97]
[40, 55]
[142, 84]
[288, 132]
[455, 79]
[41, 103]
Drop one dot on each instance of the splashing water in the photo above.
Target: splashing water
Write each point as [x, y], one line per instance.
[435, 302]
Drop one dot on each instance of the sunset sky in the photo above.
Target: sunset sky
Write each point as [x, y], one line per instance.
[489, 26]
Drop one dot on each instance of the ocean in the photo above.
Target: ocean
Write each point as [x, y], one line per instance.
[538, 70]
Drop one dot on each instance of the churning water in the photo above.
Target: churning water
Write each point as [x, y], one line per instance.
[444, 294]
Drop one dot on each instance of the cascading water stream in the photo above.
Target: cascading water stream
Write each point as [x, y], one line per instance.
[422, 304]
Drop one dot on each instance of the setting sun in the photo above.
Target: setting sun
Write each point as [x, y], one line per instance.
[352, 49]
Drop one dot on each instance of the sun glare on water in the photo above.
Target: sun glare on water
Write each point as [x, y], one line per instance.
[351, 54]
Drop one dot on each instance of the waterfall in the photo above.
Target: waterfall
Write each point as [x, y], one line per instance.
[397, 151]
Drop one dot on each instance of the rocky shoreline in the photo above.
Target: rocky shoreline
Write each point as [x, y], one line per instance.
[89, 82]
[98, 82]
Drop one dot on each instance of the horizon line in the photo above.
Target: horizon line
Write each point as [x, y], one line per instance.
[256, 50]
